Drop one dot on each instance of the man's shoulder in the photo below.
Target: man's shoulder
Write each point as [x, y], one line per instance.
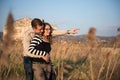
[29, 30]
[29, 33]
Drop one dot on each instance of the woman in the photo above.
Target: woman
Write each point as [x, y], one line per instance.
[41, 45]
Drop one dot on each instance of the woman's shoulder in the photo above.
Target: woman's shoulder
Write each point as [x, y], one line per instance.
[38, 37]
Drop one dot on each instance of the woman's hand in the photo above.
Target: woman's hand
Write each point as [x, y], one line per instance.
[46, 58]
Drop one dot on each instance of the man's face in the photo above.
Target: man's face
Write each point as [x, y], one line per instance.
[38, 29]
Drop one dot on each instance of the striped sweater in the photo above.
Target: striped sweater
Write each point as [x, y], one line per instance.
[36, 47]
[28, 36]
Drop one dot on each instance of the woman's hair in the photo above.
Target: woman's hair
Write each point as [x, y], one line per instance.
[51, 29]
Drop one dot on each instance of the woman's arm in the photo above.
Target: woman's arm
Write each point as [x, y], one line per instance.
[36, 46]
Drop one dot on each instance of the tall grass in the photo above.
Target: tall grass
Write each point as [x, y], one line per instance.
[72, 60]
[99, 63]
[11, 66]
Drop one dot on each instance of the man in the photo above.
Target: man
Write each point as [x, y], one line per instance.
[29, 34]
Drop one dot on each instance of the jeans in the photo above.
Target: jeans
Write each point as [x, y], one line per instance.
[28, 68]
[41, 70]
[52, 75]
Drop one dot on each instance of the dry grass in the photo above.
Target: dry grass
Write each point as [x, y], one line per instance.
[99, 63]
[73, 61]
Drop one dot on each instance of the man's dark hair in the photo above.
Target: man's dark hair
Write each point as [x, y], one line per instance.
[36, 22]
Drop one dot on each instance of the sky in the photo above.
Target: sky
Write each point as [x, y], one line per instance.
[104, 15]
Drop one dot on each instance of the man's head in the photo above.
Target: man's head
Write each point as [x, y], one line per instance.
[37, 25]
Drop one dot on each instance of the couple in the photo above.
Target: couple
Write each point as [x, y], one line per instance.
[37, 47]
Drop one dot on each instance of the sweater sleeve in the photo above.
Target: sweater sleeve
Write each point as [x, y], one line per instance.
[34, 46]
[59, 32]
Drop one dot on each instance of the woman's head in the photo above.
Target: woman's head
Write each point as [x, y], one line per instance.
[47, 30]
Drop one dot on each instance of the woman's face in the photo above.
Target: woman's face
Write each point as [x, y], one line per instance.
[47, 30]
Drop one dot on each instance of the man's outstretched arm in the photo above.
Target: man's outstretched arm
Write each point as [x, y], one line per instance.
[63, 32]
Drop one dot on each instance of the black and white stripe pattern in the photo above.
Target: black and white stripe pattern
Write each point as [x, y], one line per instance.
[37, 40]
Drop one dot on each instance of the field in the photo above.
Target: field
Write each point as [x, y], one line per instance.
[72, 60]
[91, 60]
